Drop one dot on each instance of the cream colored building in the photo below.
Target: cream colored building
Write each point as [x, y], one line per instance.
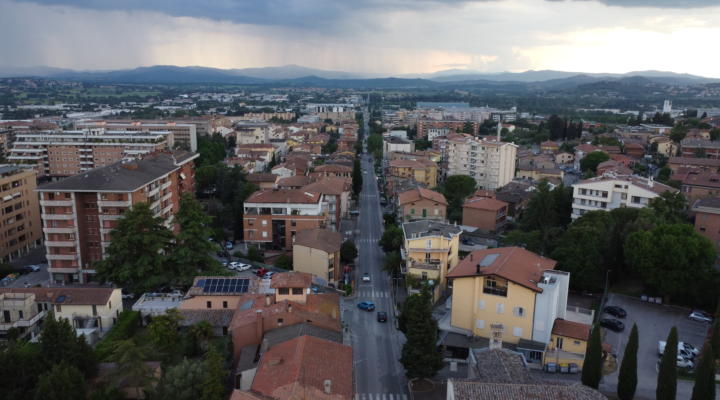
[430, 251]
[22, 310]
[317, 252]
[88, 307]
[490, 162]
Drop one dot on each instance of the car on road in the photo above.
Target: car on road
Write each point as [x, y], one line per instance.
[32, 268]
[268, 275]
[365, 172]
[370, 159]
[229, 245]
[681, 350]
[366, 277]
[615, 311]
[701, 316]
[354, 212]
[366, 305]
[261, 271]
[613, 324]
[690, 348]
[382, 316]
[682, 362]
[224, 262]
[127, 295]
[243, 267]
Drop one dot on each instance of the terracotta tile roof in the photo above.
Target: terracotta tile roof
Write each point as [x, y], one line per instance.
[291, 280]
[298, 369]
[321, 309]
[484, 203]
[296, 181]
[407, 164]
[329, 185]
[705, 162]
[292, 196]
[587, 148]
[332, 168]
[245, 395]
[547, 144]
[82, 296]
[571, 329]
[466, 389]
[634, 146]
[512, 263]
[263, 177]
[249, 315]
[215, 317]
[419, 193]
[321, 239]
[289, 332]
[257, 146]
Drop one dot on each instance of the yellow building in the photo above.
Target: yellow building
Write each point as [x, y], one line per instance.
[317, 252]
[88, 307]
[569, 342]
[430, 251]
[423, 171]
[536, 173]
[667, 147]
[549, 146]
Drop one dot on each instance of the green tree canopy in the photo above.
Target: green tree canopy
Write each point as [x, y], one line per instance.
[163, 330]
[627, 379]
[62, 382]
[357, 178]
[591, 161]
[137, 253]
[391, 263]
[348, 252]
[678, 133]
[130, 366]
[419, 354]
[214, 387]
[192, 252]
[685, 259]
[284, 262]
[592, 366]
[374, 142]
[184, 381]
[704, 388]
[667, 375]
[391, 239]
[670, 207]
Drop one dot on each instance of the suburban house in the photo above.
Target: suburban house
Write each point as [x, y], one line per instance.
[430, 251]
[317, 252]
[422, 171]
[564, 157]
[707, 164]
[612, 191]
[421, 203]
[264, 181]
[581, 151]
[693, 148]
[87, 308]
[484, 213]
[273, 217]
[335, 192]
[549, 146]
[331, 170]
[515, 293]
[537, 173]
[635, 150]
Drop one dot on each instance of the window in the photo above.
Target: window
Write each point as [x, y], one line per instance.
[481, 304]
[58, 308]
[297, 291]
[495, 286]
[500, 308]
[280, 321]
[412, 211]
[224, 304]
[704, 215]
[540, 326]
[264, 234]
[583, 191]
[623, 196]
[209, 304]
[702, 228]
[518, 311]
[264, 223]
[576, 343]
[480, 324]
[293, 223]
[250, 222]
[517, 331]
[284, 291]
[428, 243]
[559, 343]
[251, 233]
[604, 194]
[436, 211]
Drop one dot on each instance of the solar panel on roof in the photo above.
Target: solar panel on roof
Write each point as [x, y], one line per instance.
[246, 305]
[201, 283]
[488, 260]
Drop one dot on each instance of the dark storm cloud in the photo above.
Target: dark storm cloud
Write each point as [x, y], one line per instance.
[298, 13]
[654, 3]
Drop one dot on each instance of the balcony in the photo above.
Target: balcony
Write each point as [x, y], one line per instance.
[166, 197]
[432, 264]
[61, 243]
[153, 192]
[500, 224]
[434, 250]
[167, 209]
[23, 322]
[166, 185]
[500, 215]
[63, 257]
[66, 270]
[109, 217]
[107, 203]
[58, 217]
[57, 203]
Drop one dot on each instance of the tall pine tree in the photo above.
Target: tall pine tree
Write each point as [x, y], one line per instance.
[419, 354]
[592, 366]
[715, 338]
[192, 252]
[627, 380]
[667, 376]
[704, 388]
[357, 179]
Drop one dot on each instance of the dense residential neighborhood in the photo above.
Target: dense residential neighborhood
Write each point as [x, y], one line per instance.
[347, 249]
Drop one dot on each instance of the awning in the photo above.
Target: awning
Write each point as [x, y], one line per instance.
[525, 344]
[182, 175]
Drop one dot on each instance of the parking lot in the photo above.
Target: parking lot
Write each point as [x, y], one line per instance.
[654, 322]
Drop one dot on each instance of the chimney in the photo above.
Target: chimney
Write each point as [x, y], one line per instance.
[478, 268]
[290, 308]
[267, 300]
[130, 166]
[471, 256]
[259, 325]
[327, 386]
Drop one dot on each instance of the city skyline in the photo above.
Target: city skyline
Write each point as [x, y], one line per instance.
[387, 38]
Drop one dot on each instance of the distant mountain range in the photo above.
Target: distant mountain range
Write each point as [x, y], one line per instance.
[298, 75]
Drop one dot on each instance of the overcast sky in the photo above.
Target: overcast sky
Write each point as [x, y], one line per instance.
[365, 36]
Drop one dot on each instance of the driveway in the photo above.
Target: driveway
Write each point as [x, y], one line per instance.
[654, 323]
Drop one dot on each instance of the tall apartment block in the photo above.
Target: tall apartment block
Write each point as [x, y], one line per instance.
[490, 162]
[79, 212]
[185, 132]
[58, 154]
[423, 126]
[20, 229]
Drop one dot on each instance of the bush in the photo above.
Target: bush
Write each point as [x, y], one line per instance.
[348, 289]
[125, 328]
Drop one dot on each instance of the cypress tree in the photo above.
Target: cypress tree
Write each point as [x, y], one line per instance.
[627, 380]
[419, 354]
[667, 377]
[715, 338]
[592, 366]
[704, 388]
[357, 179]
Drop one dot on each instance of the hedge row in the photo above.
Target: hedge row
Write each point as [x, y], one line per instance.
[125, 328]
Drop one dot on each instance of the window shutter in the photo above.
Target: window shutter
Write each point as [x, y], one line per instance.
[500, 308]
[540, 326]
[481, 304]
[480, 324]
[517, 331]
[519, 311]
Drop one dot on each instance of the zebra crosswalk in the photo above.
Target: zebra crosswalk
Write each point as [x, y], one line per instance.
[371, 396]
[371, 294]
[366, 240]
